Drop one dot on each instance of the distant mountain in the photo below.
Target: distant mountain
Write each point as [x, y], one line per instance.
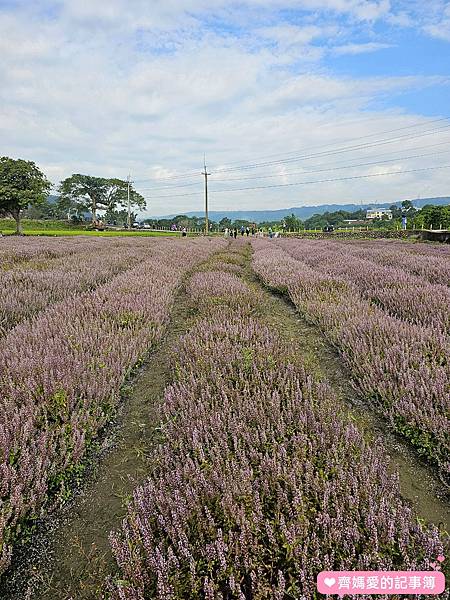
[302, 212]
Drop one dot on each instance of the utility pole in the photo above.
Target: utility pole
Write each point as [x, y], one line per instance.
[129, 204]
[205, 173]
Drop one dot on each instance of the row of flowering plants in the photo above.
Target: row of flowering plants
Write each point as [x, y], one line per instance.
[400, 293]
[401, 368]
[258, 483]
[61, 375]
[16, 250]
[31, 286]
[430, 261]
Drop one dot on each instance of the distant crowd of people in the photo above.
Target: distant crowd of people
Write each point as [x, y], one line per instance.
[233, 232]
[247, 231]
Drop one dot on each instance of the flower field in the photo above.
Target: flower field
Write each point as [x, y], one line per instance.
[77, 316]
[36, 278]
[256, 479]
[259, 482]
[390, 324]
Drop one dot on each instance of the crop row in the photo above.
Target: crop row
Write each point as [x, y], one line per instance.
[16, 250]
[60, 379]
[433, 250]
[401, 368]
[432, 263]
[401, 294]
[32, 286]
[258, 483]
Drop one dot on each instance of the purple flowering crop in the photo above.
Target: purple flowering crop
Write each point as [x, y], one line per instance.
[258, 483]
[401, 364]
[61, 372]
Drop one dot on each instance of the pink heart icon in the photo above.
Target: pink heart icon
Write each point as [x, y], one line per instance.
[440, 558]
[329, 581]
[433, 565]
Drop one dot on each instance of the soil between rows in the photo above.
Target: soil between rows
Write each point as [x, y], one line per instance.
[76, 558]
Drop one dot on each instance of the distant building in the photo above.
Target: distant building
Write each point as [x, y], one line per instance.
[378, 213]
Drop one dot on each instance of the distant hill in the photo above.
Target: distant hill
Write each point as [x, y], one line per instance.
[302, 212]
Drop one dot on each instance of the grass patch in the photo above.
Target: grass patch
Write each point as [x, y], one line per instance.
[35, 224]
[72, 232]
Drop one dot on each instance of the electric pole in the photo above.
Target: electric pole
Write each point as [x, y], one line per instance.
[129, 204]
[205, 173]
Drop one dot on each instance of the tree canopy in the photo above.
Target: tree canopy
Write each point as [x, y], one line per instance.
[292, 222]
[21, 183]
[433, 216]
[88, 193]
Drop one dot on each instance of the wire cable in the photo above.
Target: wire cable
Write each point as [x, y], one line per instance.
[336, 151]
[376, 162]
[238, 166]
[339, 140]
[283, 174]
[281, 185]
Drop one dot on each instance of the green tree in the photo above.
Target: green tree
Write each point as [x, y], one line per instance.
[293, 223]
[238, 223]
[98, 193]
[225, 222]
[407, 205]
[21, 183]
[433, 216]
[119, 217]
[396, 211]
[317, 221]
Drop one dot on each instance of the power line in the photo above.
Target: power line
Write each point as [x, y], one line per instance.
[376, 162]
[171, 187]
[333, 152]
[351, 139]
[378, 156]
[170, 177]
[280, 185]
[223, 168]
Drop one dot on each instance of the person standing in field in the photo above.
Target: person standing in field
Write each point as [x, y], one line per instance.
[247, 231]
[235, 233]
[183, 232]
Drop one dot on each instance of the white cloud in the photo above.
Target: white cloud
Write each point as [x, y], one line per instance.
[359, 48]
[288, 35]
[363, 10]
[440, 28]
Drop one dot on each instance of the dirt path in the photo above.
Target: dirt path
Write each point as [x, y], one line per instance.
[418, 484]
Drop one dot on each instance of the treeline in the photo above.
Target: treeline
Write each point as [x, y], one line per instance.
[430, 216]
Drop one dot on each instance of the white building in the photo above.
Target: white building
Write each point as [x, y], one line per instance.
[378, 213]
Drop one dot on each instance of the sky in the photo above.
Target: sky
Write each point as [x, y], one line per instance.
[307, 101]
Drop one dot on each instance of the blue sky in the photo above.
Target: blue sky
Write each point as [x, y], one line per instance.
[145, 87]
